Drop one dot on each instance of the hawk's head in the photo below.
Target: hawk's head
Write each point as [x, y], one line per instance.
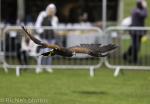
[50, 53]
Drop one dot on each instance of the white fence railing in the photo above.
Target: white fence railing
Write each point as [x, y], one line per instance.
[75, 36]
[12, 49]
[132, 41]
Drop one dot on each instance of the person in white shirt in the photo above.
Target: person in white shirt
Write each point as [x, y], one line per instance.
[49, 14]
[47, 18]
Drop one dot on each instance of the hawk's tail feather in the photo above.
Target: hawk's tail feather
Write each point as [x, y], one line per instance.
[103, 50]
[108, 48]
[98, 48]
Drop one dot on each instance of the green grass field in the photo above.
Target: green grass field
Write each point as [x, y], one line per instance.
[76, 87]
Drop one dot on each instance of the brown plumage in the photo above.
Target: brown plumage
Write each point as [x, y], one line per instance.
[95, 50]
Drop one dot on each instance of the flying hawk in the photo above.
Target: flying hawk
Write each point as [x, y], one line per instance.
[95, 50]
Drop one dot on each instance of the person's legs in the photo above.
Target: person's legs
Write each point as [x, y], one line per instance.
[41, 61]
[38, 69]
[136, 42]
[49, 59]
[45, 60]
[18, 52]
[49, 62]
[132, 54]
[24, 58]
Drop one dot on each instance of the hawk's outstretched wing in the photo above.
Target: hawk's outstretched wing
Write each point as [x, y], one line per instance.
[35, 40]
[96, 50]
[100, 48]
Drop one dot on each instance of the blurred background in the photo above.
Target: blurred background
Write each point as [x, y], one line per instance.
[68, 11]
[68, 23]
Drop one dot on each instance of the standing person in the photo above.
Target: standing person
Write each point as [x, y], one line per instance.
[47, 18]
[138, 17]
